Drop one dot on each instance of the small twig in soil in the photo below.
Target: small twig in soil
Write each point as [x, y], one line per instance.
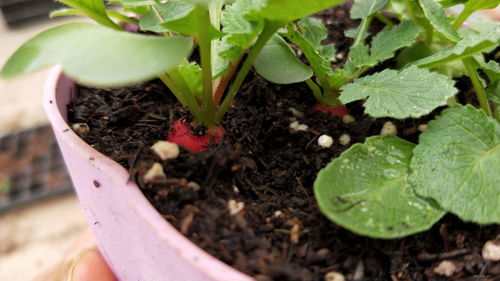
[442, 256]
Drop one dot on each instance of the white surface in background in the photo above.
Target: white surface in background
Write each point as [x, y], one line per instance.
[35, 238]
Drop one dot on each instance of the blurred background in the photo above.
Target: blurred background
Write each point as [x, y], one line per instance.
[39, 213]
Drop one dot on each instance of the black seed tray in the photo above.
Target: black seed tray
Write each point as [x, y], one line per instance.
[32, 164]
[20, 12]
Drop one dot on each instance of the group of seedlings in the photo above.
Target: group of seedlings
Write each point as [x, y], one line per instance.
[385, 187]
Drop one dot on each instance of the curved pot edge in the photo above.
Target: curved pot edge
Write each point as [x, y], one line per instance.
[189, 251]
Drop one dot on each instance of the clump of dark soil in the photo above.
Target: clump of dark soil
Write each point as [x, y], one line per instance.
[280, 233]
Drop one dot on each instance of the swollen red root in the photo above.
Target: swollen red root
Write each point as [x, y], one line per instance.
[338, 110]
[182, 135]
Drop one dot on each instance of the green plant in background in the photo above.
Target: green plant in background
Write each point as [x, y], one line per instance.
[387, 187]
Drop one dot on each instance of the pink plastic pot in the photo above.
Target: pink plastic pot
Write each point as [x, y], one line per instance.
[136, 241]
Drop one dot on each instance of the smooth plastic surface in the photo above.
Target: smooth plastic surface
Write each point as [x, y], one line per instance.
[136, 241]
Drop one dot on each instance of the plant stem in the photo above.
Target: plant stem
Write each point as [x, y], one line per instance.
[180, 94]
[381, 17]
[316, 90]
[224, 81]
[206, 65]
[478, 85]
[461, 18]
[365, 23]
[266, 34]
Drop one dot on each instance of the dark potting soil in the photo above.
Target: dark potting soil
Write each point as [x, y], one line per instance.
[280, 234]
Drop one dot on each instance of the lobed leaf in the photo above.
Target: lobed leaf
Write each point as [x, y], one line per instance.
[278, 63]
[457, 164]
[472, 44]
[98, 56]
[436, 16]
[412, 92]
[315, 32]
[365, 8]
[393, 38]
[366, 190]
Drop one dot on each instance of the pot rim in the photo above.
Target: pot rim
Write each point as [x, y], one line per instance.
[187, 250]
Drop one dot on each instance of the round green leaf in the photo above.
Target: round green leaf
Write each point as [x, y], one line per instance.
[457, 163]
[278, 63]
[366, 190]
[99, 56]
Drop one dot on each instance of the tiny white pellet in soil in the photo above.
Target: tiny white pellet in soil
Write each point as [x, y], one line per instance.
[325, 141]
[278, 213]
[446, 268]
[422, 127]
[236, 189]
[491, 251]
[297, 113]
[334, 276]
[348, 119]
[295, 234]
[296, 126]
[344, 139]
[235, 207]
[155, 172]
[166, 150]
[194, 185]
[81, 129]
[389, 129]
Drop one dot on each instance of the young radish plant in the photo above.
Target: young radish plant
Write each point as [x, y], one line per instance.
[388, 187]
[228, 38]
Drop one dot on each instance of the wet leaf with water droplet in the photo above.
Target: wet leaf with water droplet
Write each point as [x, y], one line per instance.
[366, 190]
[457, 163]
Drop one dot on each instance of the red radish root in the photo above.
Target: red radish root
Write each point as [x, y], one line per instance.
[182, 135]
[337, 110]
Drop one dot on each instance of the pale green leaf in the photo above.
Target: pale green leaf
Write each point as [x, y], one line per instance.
[365, 8]
[94, 9]
[366, 190]
[492, 70]
[132, 3]
[435, 14]
[191, 74]
[66, 12]
[475, 5]
[470, 45]
[164, 12]
[190, 25]
[278, 63]
[359, 55]
[412, 92]
[98, 56]
[457, 163]
[393, 38]
[286, 11]
[352, 33]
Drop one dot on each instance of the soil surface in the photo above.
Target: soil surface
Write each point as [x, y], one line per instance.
[280, 233]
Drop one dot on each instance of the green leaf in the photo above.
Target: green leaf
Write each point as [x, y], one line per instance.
[366, 190]
[315, 32]
[457, 163]
[164, 12]
[242, 23]
[191, 74]
[412, 92]
[359, 55]
[132, 3]
[492, 70]
[365, 8]
[189, 25]
[451, 3]
[286, 11]
[493, 92]
[475, 5]
[94, 9]
[99, 56]
[278, 63]
[472, 44]
[65, 12]
[393, 38]
[435, 14]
